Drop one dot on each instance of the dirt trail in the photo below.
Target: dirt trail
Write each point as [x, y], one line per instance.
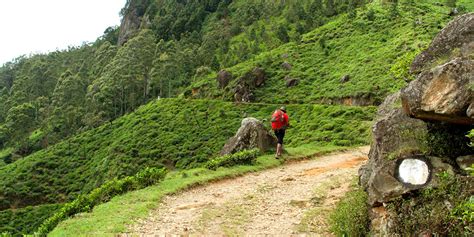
[293, 199]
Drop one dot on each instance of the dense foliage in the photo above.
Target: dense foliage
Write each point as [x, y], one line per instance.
[25, 220]
[104, 193]
[166, 133]
[45, 98]
[449, 206]
[373, 47]
[351, 217]
[246, 157]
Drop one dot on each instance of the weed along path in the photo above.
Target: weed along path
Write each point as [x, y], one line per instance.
[291, 199]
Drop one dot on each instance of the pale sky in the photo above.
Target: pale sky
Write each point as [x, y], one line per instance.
[40, 26]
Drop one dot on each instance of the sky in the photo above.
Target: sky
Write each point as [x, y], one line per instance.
[41, 26]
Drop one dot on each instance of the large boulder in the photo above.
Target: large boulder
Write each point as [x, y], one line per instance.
[243, 91]
[397, 159]
[442, 93]
[251, 134]
[456, 34]
[223, 78]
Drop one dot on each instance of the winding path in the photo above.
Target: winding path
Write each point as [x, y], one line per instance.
[293, 199]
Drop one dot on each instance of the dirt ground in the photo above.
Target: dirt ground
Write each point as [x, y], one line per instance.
[293, 199]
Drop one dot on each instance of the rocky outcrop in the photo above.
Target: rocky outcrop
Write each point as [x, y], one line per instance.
[251, 134]
[420, 130]
[243, 91]
[456, 34]
[287, 66]
[442, 93]
[290, 81]
[396, 137]
[131, 21]
[223, 78]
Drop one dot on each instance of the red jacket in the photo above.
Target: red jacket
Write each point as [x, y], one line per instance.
[280, 120]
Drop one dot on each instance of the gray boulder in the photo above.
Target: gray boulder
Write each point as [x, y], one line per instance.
[251, 134]
[442, 93]
[457, 33]
[398, 148]
[223, 78]
[286, 65]
[243, 91]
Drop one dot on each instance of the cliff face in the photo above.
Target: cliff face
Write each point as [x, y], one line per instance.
[133, 13]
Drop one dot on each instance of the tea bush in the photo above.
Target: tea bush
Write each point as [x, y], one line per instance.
[246, 157]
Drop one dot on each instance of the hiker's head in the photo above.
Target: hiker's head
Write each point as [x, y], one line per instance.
[283, 108]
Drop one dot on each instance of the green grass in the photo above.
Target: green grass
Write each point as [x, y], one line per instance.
[25, 220]
[172, 133]
[375, 53]
[112, 218]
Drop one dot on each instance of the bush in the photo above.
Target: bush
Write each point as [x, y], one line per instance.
[104, 193]
[350, 217]
[245, 157]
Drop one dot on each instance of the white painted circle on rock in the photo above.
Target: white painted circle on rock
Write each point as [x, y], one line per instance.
[414, 171]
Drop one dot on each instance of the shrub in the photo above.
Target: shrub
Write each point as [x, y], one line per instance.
[240, 158]
[104, 193]
[350, 217]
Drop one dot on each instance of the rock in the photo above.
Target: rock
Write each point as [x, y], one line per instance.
[131, 22]
[442, 93]
[223, 78]
[465, 162]
[259, 76]
[457, 33]
[251, 134]
[290, 82]
[390, 103]
[287, 66]
[247, 83]
[345, 78]
[395, 137]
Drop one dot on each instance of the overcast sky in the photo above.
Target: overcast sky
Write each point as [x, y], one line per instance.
[32, 26]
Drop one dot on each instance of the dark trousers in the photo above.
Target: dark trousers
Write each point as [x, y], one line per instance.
[280, 134]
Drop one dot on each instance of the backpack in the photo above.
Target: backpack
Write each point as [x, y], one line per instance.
[278, 120]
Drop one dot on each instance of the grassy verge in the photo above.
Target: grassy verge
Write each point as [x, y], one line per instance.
[111, 218]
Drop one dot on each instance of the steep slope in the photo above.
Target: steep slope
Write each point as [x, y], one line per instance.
[374, 49]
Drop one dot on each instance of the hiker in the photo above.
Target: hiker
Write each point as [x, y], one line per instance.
[280, 122]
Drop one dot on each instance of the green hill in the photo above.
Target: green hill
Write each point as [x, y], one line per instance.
[71, 120]
[171, 133]
[374, 47]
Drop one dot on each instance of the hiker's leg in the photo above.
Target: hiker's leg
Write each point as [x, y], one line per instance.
[278, 153]
[282, 135]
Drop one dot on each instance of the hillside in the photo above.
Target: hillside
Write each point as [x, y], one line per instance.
[145, 94]
[373, 47]
[171, 133]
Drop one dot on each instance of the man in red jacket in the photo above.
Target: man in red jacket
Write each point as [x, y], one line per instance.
[280, 121]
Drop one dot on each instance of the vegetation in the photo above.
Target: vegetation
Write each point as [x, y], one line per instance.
[25, 220]
[71, 121]
[104, 193]
[350, 217]
[62, 93]
[373, 47]
[449, 206]
[172, 133]
[111, 218]
[246, 157]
